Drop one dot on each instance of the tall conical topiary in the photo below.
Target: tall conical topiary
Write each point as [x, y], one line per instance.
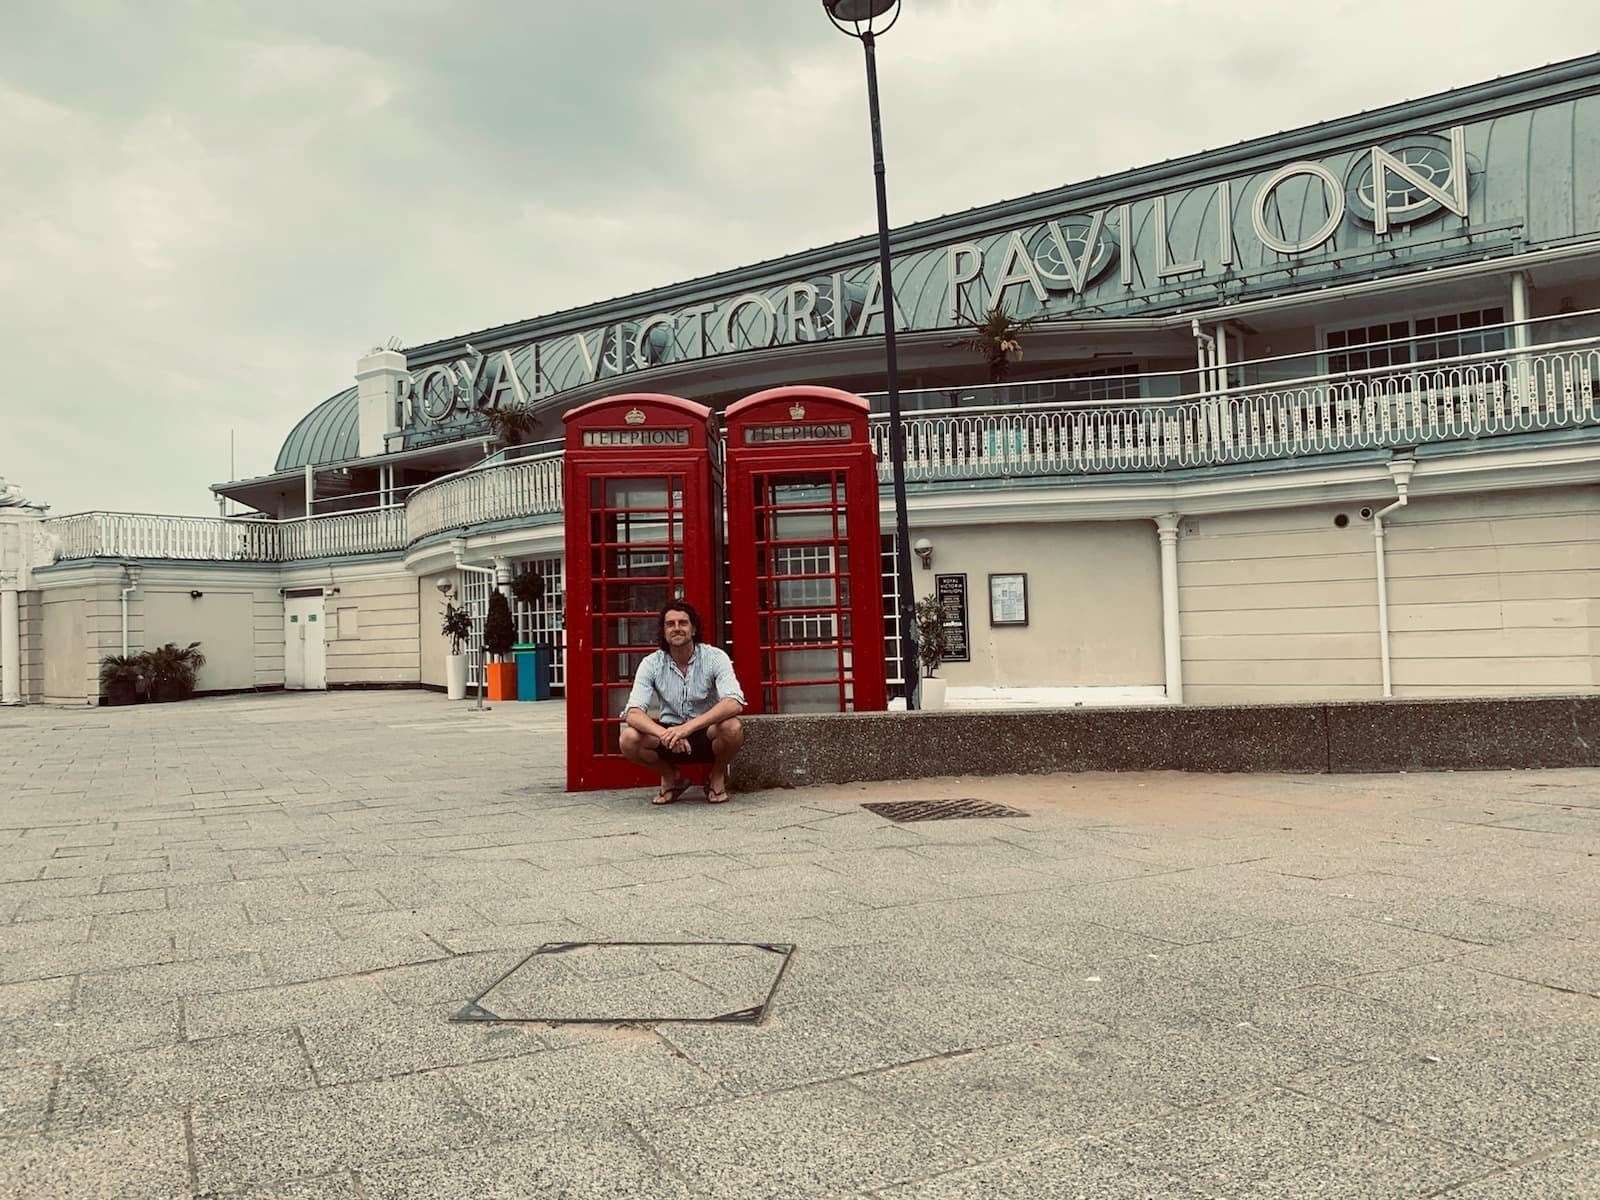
[499, 630]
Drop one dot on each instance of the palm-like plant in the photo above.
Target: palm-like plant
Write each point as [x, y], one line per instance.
[998, 337]
[173, 670]
[124, 678]
[514, 424]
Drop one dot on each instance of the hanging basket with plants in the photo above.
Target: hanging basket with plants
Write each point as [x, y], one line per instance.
[998, 338]
[528, 588]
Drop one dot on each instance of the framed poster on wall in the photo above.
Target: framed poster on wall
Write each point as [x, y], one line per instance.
[952, 592]
[1008, 599]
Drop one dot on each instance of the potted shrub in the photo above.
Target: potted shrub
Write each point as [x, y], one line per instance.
[458, 628]
[499, 635]
[173, 670]
[933, 644]
[123, 678]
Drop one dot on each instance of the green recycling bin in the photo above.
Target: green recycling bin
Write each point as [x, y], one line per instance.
[533, 671]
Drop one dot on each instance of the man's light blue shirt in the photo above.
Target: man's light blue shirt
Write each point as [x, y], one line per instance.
[684, 695]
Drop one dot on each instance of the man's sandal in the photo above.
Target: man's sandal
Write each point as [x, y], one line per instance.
[670, 792]
[716, 795]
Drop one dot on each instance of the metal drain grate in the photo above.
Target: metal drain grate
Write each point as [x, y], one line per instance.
[940, 810]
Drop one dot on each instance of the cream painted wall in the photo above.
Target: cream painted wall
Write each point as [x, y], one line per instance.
[1278, 605]
[221, 620]
[372, 630]
[66, 634]
[1094, 602]
[1493, 594]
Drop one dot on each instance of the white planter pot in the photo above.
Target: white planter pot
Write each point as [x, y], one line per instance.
[930, 696]
[455, 676]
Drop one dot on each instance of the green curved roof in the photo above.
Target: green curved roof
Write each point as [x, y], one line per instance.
[328, 433]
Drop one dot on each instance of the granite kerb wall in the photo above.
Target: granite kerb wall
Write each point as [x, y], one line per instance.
[1354, 736]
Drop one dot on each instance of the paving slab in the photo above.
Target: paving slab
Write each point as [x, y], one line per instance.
[1153, 984]
[120, 1086]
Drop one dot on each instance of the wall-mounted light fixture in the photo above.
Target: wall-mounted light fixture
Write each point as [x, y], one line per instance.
[924, 549]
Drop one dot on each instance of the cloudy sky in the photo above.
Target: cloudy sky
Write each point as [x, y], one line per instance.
[211, 209]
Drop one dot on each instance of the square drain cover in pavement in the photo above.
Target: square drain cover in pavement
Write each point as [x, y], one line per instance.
[610, 983]
[940, 810]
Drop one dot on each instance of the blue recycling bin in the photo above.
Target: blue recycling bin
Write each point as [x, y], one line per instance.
[533, 671]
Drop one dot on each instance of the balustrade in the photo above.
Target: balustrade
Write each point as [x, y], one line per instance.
[1541, 387]
[1520, 391]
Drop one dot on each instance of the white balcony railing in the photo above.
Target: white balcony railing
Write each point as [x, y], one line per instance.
[1475, 396]
[491, 491]
[1543, 387]
[228, 539]
[153, 535]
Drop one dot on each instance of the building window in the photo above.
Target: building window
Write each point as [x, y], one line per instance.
[1358, 349]
[1460, 333]
[1476, 331]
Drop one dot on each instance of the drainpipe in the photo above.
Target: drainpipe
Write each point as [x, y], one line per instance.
[1400, 469]
[130, 579]
[458, 547]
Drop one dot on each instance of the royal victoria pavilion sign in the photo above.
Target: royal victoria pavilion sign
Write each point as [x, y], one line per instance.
[1111, 258]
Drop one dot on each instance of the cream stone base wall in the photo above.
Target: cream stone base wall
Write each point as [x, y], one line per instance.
[1496, 594]
[372, 629]
[1278, 605]
[1094, 602]
[1492, 594]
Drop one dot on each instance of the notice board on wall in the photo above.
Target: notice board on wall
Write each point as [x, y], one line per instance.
[952, 592]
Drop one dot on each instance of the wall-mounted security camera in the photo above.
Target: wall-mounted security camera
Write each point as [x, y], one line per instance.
[195, 595]
[924, 551]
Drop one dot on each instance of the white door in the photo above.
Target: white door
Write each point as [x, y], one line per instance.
[304, 659]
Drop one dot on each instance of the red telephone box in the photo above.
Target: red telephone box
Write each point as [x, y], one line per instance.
[804, 552]
[643, 511]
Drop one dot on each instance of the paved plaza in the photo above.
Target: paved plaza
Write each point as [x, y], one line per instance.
[232, 933]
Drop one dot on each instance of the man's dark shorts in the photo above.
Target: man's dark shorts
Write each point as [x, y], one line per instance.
[700, 750]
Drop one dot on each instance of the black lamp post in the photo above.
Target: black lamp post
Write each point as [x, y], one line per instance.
[866, 20]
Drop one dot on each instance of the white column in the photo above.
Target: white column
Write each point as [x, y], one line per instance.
[1171, 627]
[1523, 377]
[10, 641]
[311, 487]
[1222, 358]
[1519, 309]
